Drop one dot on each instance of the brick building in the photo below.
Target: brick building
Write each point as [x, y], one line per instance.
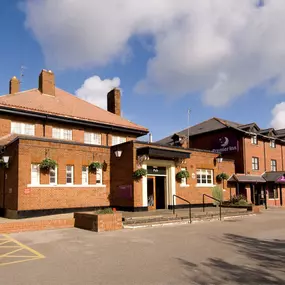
[47, 122]
[259, 156]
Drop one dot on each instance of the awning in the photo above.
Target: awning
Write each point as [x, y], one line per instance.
[243, 178]
[274, 176]
[159, 153]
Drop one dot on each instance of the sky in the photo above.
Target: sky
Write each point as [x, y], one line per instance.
[217, 58]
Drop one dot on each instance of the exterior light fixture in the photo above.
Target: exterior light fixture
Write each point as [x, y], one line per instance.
[118, 153]
[218, 159]
[5, 159]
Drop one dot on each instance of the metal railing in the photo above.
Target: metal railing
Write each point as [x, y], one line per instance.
[214, 200]
[190, 208]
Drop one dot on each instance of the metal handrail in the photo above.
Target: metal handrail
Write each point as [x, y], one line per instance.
[215, 200]
[190, 208]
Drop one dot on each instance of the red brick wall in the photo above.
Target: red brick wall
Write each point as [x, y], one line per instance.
[202, 160]
[61, 197]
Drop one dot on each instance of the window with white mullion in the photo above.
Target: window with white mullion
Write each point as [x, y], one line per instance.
[84, 175]
[99, 178]
[204, 177]
[118, 140]
[92, 138]
[63, 134]
[255, 163]
[35, 174]
[53, 176]
[22, 128]
[183, 180]
[273, 165]
[69, 174]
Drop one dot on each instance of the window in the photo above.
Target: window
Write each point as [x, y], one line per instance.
[69, 174]
[84, 175]
[35, 174]
[254, 139]
[204, 177]
[92, 138]
[53, 176]
[272, 192]
[99, 176]
[22, 129]
[63, 134]
[273, 165]
[183, 180]
[272, 144]
[118, 140]
[255, 163]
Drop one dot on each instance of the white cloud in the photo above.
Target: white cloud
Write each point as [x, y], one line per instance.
[219, 48]
[95, 90]
[278, 113]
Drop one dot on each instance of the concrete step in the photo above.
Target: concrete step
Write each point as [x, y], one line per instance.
[179, 221]
[183, 217]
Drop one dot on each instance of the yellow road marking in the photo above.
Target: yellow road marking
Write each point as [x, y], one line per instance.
[25, 247]
[17, 247]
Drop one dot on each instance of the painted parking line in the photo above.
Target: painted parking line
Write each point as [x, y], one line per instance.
[13, 251]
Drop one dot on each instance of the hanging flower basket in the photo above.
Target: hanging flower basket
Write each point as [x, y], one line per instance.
[139, 173]
[182, 174]
[94, 166]
[48, 164]
[222, 176]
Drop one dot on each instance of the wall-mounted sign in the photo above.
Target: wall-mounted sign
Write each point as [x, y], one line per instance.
[226, 144]
[154, 170]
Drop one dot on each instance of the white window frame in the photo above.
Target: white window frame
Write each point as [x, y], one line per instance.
[183, 181]
[62, 134]
[92, 138]
[272, 143]
[200, 172]
[273, 166]
[118, 140]
[55, 176]
[254, 140]
[72, 175]
[254, 162]
[38, 174]
[99, 172]
[86, 182]
[21, 128]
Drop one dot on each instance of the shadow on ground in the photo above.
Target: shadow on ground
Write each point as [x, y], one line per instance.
[260, 262]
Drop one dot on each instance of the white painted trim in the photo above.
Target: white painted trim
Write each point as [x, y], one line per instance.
[204, 185]
[66, 185]
[184, 185]
[144, 188]
[172, 183]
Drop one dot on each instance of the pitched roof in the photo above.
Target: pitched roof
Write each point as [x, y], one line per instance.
[273, 176]
[66, 105]
[204, 127]
[243, 178]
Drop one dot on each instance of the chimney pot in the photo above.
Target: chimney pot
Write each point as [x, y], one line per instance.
[47, 82]
[114, 101]
[14, 85]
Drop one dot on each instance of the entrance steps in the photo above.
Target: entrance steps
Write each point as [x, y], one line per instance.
[166, 217]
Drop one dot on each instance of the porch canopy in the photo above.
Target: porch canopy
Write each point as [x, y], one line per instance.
[277, 177]
[244, 178]
[159, 153]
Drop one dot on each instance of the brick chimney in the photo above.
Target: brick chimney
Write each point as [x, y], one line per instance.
[114, 101]
[14, 85]
[46, 82]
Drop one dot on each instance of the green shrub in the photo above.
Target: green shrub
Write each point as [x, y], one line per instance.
[47, 164]
[139, 173]
[182, 174]
[104, 211]
[217, 193]
[222, 176]
[93, 166]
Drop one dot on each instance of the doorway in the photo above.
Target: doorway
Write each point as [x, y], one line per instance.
[156, 192]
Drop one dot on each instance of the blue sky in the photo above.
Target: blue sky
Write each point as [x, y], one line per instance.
[160, 80]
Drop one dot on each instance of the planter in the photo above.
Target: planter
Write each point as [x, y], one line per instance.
[98, 222]
[248, 207]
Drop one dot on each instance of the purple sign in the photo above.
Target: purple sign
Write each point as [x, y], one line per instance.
[226, 144]
[125, 191]
[281, 179]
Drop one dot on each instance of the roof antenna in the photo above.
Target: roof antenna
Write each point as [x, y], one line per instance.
[22, 73]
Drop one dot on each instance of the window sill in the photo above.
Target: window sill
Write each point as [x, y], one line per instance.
[273, 199]
[205, 185]
[184, 185]
[66, 185]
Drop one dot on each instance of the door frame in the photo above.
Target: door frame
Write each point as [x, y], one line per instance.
[151, 208]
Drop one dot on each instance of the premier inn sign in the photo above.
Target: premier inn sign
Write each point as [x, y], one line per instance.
[226, 144]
